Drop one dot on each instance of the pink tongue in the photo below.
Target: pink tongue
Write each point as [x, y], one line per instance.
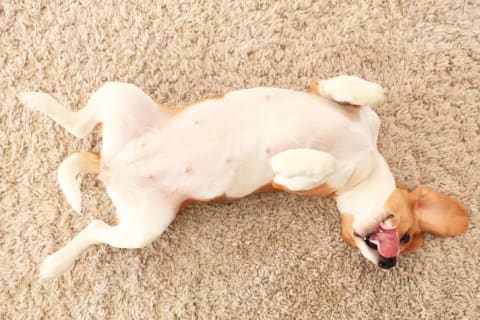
[387, 241]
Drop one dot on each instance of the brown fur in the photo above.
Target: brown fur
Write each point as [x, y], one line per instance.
[223, 199]
[323, 190]
[314, 88]
[90, 162]
[172, 110]
[421, 210]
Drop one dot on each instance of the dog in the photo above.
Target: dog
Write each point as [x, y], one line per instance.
[155, 160]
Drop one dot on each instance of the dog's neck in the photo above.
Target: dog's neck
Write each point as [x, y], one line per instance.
[368, 198]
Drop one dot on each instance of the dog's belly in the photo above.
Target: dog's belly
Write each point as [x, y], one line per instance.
[222, 147]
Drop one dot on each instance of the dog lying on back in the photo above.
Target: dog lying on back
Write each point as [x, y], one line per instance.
[156, 159]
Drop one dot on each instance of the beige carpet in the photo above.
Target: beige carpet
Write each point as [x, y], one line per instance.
[269, 256]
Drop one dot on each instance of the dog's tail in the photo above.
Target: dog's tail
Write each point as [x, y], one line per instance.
[69, 177]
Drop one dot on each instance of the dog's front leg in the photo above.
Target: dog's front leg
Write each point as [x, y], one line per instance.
[310, 172]
[300, 170]
[139, 225]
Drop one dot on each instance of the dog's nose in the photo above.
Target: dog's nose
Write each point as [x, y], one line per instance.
[387, 263]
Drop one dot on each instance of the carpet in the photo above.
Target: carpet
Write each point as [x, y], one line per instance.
[268, 256]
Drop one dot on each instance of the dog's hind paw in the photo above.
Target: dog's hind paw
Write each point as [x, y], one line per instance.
[69, 180]
[54, 265]
[352, 90]
[37, 101]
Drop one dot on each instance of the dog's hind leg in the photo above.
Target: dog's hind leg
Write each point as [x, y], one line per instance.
[349, 90]
[79, 123]
[69, 178]
[123, 109]
[144, 220]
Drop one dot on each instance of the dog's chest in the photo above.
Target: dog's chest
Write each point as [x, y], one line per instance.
[223, 146]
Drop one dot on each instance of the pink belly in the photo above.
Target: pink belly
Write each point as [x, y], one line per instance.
[223, 147]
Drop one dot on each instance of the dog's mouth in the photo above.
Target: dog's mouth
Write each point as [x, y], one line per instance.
[385, 240]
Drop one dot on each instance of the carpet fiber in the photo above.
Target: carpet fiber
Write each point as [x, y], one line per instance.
[270, 256]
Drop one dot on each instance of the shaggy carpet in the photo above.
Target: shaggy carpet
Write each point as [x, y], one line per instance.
[269, 256]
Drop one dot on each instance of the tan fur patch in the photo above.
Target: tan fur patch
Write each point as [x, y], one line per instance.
[223, 199]
[323, 190]
[90, 162]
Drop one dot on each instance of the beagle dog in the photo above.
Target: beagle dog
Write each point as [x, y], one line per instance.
[155, 160]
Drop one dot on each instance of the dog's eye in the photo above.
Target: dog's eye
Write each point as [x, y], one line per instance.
[405, 238]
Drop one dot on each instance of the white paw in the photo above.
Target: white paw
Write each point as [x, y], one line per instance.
[353, 90]
[303, 162]
[298, 183]
[54, 265]
[74, 198]
[70, 182]
[37, 101]
[302, 169]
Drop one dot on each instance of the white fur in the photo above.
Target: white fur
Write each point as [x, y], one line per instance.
[152, 161]
[302, 169]
[303, 162]
[70, 180]
[353, 90]
[77, 123]
[369, 253]
[366, 200]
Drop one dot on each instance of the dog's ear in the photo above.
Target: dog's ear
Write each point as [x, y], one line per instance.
[347, 229]
[439, 214]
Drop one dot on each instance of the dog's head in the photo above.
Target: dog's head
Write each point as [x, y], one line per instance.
[407, 215]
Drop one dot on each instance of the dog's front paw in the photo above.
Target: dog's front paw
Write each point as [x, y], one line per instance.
[37, 101]
[303, 162]
[302, 169]
[54, 265]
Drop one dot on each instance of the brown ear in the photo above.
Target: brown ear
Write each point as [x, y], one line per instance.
[347, 229]
[439, 214]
